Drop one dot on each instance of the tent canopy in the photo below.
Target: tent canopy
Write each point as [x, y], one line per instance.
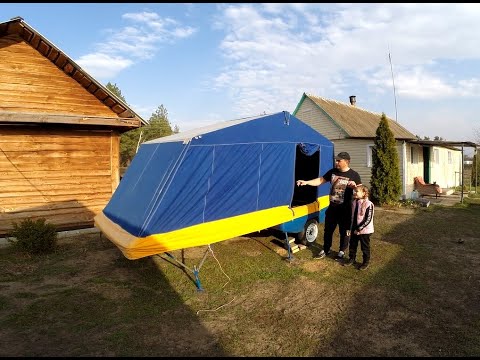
[209, 175]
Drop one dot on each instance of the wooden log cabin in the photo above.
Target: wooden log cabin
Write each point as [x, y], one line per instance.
[59, 134]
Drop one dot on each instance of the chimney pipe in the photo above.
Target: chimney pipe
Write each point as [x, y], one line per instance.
[353, 100]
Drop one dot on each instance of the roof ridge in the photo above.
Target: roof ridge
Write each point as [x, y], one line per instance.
[346, 104]
[346, 116]
[28, 34]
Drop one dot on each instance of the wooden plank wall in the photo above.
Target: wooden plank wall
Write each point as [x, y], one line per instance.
[60, 174]
[64, 174]
[31, 83]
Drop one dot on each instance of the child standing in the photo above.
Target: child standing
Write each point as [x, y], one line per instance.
[362, 226]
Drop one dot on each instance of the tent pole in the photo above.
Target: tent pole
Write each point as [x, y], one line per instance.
[195, 269]
[290, 256]
[204, 256]
[197, 279]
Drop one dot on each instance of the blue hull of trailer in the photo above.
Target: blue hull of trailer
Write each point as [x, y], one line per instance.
[298, 225]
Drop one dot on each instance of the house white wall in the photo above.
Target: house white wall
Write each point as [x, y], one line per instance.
[310, 114]
[414, 166]
[359, 149]
[444, 168]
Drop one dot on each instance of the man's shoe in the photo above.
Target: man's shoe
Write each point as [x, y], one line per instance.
[349, 262]
[320, 255]
[340, 255]
[364, 266]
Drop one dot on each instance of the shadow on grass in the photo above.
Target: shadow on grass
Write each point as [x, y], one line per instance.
[420, 295]
[88, 300]
[418, 298]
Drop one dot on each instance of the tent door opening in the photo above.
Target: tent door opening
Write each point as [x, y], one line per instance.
[305, 228]
[306, 168]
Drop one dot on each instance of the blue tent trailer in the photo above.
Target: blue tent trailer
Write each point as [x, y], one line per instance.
[309, 166]
[218, 182]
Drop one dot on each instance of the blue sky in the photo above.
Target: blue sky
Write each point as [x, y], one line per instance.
[212, 62]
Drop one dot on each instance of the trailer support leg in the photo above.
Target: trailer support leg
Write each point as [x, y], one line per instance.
[290, 254]
[195, 269]
[197, 279]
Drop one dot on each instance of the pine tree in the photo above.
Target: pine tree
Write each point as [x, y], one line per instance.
[128, 145]
[158, 125]
[115, 90]
[129, 139]
[385, 181]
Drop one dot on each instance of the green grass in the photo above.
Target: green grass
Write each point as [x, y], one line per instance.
[418, 298]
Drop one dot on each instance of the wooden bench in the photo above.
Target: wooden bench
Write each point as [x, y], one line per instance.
[426, 189]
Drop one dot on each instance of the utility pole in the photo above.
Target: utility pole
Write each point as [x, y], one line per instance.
[393, 80]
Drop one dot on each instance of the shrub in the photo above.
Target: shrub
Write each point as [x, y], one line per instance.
[385, 182]
[34, 237]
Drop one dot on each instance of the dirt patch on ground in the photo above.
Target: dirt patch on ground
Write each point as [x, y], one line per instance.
[418, 298]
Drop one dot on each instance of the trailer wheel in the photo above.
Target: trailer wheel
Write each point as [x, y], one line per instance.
[309, 233]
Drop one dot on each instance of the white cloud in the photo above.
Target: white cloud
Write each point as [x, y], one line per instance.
[420, 83]
[142, 17]
[103, 66]
[132, 43]
[274, 52]
[144, 111]
[469, 87]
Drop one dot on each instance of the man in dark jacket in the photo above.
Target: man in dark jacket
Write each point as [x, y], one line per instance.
[343, 180]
